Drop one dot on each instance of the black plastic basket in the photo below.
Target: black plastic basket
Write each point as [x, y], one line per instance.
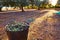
[18, 35]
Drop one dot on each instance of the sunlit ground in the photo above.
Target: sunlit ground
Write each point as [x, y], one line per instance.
[44, 26]
[45, 16]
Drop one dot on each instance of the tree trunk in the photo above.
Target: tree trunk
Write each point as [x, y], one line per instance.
[32, 6]
[22, 8]
[0, 9]
[39, 7]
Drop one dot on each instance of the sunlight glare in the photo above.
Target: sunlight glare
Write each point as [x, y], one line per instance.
[53, 2]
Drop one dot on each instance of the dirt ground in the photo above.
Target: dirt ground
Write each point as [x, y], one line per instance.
[7, 17]
[46, 27]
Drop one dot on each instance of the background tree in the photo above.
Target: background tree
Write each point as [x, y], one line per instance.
[19, 3]
[22, 3]
[45, 4]
[41, 3]
[1, 5]
[9, 3]
[38, 3]
[32, 3]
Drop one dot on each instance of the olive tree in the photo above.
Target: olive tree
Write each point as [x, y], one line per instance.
[32, 3]
[1, 5]
[19, 3]
[39, 3]
[22, 3]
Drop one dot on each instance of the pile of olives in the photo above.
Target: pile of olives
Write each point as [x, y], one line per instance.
[17, 27]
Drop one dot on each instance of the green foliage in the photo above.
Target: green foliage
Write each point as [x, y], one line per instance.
[37, 3]
[32, 3]
[30, 7]
[15, 3]
[23, 2]
[57, 6]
